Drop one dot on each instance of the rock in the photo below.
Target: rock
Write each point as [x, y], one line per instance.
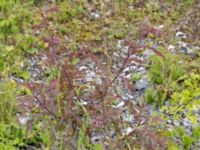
[171, 48]
[176, 122]
[97, 138]
[141, 84]
[141, 69]
[83, 68]
[181, 35]
[18, 80]
[182, 44]
[24, 120]
[188, 131]
[129, 130]
[147, 53]
[169, 122]
[125, 49]
[119, 44]
[186, 122]
[190, 51]
[183, 49]
[95, 15]
[160, 27]
[121, 104]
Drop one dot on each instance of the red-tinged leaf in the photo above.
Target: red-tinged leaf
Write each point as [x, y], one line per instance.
[43, 24]
[32, 86]
[133, 48]
[51, 40]
[86, 53]
[89, 132]
[53, 83]
[97, 121]
[55, 40]
[45, 39]
[70, 95]
[40, 26]
[52, 9]
[70, 56]
[135, 60]
[156, 51]
[146, 30]
[157, 119]
[114, 112]
[36, 26]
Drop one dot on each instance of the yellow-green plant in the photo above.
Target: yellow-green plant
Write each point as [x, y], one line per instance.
[163, 73]
[186, 99]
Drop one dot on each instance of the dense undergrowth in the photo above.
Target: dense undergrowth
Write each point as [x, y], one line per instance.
[65, 110]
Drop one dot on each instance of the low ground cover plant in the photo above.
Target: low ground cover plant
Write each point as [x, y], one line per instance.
[80, 103]
[70, 105]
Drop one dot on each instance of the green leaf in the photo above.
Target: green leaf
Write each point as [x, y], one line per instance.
[1, 64]
[75, 61]
[32, 50]
[98, 147]
[193, 119]
[173, 147]
[9, 48]
[196, 132]
[179, 131]
[14, 29]
[136, 76]
[120, 34]
[195, 104]
[25, 75]
[149, 95]
[187, 141]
